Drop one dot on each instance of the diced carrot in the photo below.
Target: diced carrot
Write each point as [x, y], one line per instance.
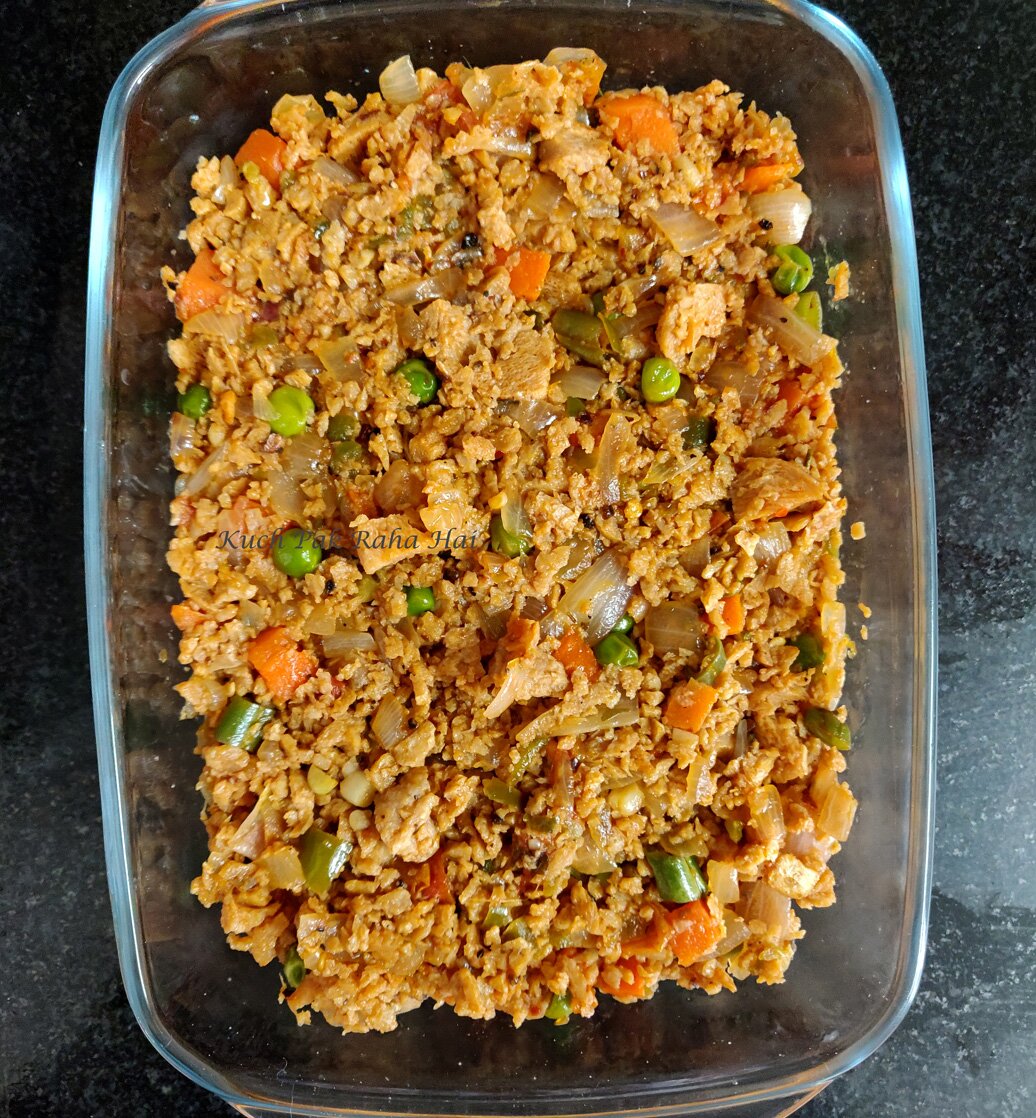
[632, 983]
[734, 614]
[202, 287]
[279, 660]
[429, 881]
[764, 175]
[266, 151]
[574, 652]
[791, 394]
[695, 931]
[637, 117]
[688, 705]
[526, 270]
[653, 940]
[185, 617]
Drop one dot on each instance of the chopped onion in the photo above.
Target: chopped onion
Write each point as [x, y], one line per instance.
[582, 381]
[284, 868]
[639, 286]
[263, 824]
[442, 285]
[611, 451]
[532, 416]
[723, 881]
[685, 230]
[801, 843]
[334, 172]
[261, 406]
[344, 641]
[389, 722]
[624, 713]
[736, 933]
[731, 374]
[582, 551]
[773, 542]
[767, 812]
[251, 615]
[230, 327]
[302, 362]
[792, 333]
[478, 91]
[286, 497]
[558, 56]
[181, 434]
[398, 82]
[303, 455]
[533, 609]
[695, 557]
[409, 327]
[544, 196]
[513, 516]
[321, 620]
[598, 598]
[672, 628]
[788, 212]
[357, 789]
[741, 739]
[339, 357]
[493, 625]
[399, 488]
[208, 472]
[768, 906]
[591, 859]
[666, 467]
[507, 143]
[507, 692]
[836, 815]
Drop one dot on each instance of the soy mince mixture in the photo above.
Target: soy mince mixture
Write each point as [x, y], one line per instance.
[508, 525]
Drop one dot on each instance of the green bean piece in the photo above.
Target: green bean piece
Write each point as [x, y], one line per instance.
[323, 858]
[294, 968]
[713, 662]
[574, 406]
[195, 402]
[828, 727]
[659, 380]
[517, 929]
[344, 425]
[699, 433]
[241, 723]
[810, 310]
[419, 599]
[580, 333]
[794, 271]
[501, 793]
[679, 880]
[293, 410]
[618, 649]
[811, 652]
[296, 552]
[420, 378]
[542, 824]
[560, 1009]
[624, 624]
[264, 335]
[526, 755]
[507, 543]
[597, 302]
[498, 917]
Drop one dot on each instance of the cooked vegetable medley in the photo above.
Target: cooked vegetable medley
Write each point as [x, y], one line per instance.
[508, 528]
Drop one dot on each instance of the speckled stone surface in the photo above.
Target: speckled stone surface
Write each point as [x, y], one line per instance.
[963, 76]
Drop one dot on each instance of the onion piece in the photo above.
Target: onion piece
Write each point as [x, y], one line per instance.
[409, 327]
[591, 859]
[732, 374]
[218, 324]
[736, 933]
[765, 904]
[506, 143]
[210, 470]
[741, 739]
[513, 516]
[261, 406]
[357, 788]
[493, 625]
[684, 229]
[286, 497]
[788, 212]
[389, 722]
[773, 542]
[611, 451]
[181, 435]
[723, 882]
[624, 713]
[478, 91]
[533, 609]
[532, 416]
[334, 172]
[543, 197]
[836, 815]
[560, 55]
[675, 628]
[398, 82]
[284, 868]
[304, 455]
[597, 599]
[344, 641]
[321, 620]
[792, 334]
[665, 468]
[695, 557]
[582, 381]
[442, 285]
[582, 551]
[507, 692]
[263, 824]
[339, 357]
[767, 813]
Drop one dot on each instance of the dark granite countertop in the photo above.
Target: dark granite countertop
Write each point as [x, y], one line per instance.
[963, 76]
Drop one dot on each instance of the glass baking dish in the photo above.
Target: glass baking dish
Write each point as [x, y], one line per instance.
[197, 89]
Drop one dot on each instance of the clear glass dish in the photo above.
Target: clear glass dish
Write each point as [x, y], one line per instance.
[197, 89]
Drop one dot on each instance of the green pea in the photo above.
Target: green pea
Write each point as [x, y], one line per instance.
[617, 649]
[699, 433]
[794, 271]
[419, 599]
[296, 552]
[507, 543]
[659, 380]
[345, 453]
[344, 425]
[624, 624]
[195, 402]
[810, 310]
[423, 382]
[294, 409]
